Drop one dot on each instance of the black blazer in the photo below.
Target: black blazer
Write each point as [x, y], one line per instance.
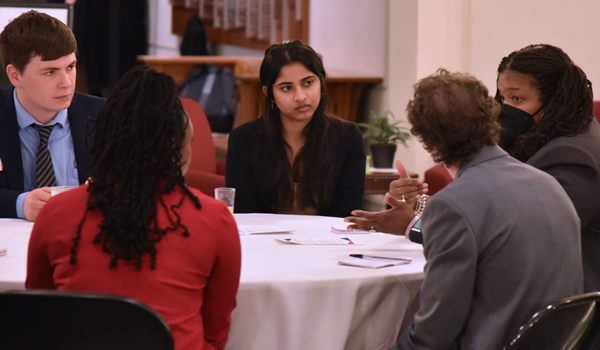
[349, 171]
[575, 162]
[11, 177]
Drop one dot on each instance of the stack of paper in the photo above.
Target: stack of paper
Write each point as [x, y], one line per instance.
[372, 263]
[261, 229]
[339, 241]
[346, 230]
[384, 170]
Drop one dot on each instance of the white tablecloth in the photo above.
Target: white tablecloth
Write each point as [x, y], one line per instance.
[14, 236]
[295, 297]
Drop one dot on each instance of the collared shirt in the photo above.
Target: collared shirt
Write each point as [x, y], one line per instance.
[60, 145]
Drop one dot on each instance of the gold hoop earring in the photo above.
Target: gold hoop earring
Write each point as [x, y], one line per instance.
[273, 105]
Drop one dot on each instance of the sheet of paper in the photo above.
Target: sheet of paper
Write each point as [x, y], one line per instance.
[372, 263]
[261, 229]
[384, 170]
[345, 230]
[311, 241]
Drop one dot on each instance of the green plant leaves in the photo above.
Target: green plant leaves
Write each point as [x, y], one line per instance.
[381, 131]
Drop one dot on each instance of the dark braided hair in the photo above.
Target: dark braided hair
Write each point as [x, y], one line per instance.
[565, 93]
[135, 152]
[313, 166]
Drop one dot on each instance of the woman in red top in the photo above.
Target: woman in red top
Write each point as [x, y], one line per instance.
[135, 229]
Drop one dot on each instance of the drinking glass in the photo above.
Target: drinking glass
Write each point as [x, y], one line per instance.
[226, 195]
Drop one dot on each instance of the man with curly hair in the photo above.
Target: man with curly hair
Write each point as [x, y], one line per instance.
[500, 241]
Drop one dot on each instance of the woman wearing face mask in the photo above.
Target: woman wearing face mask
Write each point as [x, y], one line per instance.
[548, 123]
[296, 159]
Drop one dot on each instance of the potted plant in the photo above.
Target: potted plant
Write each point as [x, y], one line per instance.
[385, 135]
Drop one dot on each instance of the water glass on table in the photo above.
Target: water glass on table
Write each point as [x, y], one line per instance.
[226, 195]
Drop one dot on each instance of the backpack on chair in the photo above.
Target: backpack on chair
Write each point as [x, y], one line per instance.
[215, 89]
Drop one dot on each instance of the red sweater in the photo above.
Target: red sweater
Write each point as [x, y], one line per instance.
[193, 285]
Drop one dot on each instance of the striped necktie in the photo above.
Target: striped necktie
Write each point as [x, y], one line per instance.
[44, 168]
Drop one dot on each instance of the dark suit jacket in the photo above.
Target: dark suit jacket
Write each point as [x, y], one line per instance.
[11, 178]
[575, 163]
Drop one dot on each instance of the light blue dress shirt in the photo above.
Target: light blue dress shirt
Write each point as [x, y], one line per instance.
[60, 145]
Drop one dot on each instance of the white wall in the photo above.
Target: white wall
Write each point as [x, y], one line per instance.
[573, 26]
[349, 34]
[442, 26]
[472, 36]
[160, 40]
[424, 35]
[401, 69]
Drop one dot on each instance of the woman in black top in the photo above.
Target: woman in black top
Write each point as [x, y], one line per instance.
[295, 159]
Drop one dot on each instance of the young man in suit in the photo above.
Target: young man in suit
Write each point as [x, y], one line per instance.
[42, 118]
[501, 240]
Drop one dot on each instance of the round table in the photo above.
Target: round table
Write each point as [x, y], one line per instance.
[295, 296]
[299, 297]
[14, 236]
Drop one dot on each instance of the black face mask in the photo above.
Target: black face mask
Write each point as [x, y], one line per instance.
[515, 122]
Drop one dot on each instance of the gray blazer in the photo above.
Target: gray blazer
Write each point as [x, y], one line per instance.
[575, 163]
[501, 241]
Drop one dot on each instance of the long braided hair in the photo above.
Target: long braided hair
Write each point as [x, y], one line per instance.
[135, 151]
[565, 92]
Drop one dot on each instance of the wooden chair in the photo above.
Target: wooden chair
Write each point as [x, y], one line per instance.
[42, 319]
[571, 323]
[205, 173]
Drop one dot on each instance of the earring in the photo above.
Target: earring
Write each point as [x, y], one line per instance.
[273, 105]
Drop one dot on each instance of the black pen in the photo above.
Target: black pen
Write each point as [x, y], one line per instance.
[362, 256]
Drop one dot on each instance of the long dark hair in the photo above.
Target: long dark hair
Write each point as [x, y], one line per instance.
[565, 92]
[135, 154]
[313, 166]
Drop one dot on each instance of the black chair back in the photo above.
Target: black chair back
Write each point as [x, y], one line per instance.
[568, 324]
[36, 319]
